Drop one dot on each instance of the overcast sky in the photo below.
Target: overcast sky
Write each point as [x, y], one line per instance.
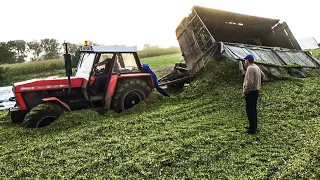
[136, 22]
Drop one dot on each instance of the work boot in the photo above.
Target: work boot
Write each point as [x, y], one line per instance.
[250, 131]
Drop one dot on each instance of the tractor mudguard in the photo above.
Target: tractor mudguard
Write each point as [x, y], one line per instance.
[110, 91]
[113, 84]
[51, 99]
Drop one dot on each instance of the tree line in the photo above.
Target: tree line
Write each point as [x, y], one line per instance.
[17, 51]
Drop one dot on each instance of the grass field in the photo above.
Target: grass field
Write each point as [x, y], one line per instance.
[196, 134]
[162, 61]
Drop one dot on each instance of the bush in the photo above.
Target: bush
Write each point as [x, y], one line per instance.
[3, 80]
[1, 73]
[75, 58]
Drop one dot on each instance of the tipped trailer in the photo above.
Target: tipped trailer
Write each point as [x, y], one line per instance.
[211, 33]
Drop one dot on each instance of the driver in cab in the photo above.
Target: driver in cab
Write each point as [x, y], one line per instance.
[104, 62]
[101, 77]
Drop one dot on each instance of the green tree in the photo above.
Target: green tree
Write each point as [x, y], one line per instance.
[7, 53]
[20, 48]
[74, 51]
[2, 76]
[75, 58]
[72, 48]
[35, 48]
[147, 46]
[51, 48]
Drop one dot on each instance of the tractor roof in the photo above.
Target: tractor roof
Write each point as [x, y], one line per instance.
[109, 49]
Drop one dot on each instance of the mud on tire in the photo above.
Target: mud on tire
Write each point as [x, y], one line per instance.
[42, 115]
[128, 93]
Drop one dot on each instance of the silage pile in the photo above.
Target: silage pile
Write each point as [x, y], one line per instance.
[222, 75]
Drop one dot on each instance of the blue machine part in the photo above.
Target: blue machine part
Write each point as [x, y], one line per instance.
[155, 80]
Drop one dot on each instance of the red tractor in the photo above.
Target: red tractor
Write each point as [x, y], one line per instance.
[107, 77]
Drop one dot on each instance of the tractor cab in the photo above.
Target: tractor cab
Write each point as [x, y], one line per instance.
[98, 63]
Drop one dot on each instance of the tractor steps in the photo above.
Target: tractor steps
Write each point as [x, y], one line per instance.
[96, 98]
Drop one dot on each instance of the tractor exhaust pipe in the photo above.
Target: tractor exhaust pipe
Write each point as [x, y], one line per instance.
[67, 63]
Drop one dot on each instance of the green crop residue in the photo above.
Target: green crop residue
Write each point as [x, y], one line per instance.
[196, 134]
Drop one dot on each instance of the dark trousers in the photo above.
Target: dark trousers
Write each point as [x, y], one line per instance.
[251, 109]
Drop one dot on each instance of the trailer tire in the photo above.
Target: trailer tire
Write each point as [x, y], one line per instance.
[42, 115]
[128, 93]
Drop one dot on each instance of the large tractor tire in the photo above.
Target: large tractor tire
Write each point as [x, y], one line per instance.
[128, 93]
[42, 115]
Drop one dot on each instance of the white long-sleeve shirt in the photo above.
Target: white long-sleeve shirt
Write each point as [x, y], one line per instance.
[252, 79]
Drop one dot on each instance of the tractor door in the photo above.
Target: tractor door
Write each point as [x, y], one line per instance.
[101, 72]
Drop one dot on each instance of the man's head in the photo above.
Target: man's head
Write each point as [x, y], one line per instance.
[249, 59]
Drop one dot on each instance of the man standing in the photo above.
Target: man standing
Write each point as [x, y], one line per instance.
[251, 88]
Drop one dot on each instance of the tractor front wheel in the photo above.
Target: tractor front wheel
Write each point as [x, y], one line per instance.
[129, 93]
[42, 115]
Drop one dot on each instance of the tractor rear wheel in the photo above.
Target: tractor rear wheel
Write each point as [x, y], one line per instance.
[128, 93]
[42, 115]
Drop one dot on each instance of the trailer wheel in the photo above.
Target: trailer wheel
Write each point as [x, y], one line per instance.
[128, 93]
[42, 115]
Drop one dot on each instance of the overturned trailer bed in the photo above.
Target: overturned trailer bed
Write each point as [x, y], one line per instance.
[210, 33]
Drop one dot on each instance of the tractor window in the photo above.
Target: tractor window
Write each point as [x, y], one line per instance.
[85, 65]
[103, 60]
[125, 62]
